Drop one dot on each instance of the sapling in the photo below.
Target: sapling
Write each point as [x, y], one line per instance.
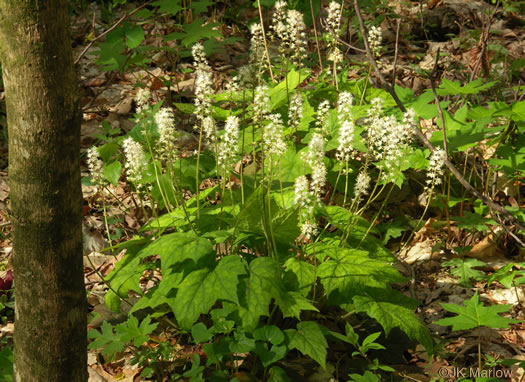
[474, 314]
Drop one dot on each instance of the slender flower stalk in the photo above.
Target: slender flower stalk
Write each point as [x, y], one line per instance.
[273, 140]
[333, 22]
[346, 140]
[95, 166]
[344, 107]
[257, 50]
[375, 39]
[135, 160]
[203, 87]
[203, 93]
[314, 158]
[288, 26]
[362, 184]
[435, 167]
[229, 145]
[322, 117]
[261, 104]
[142, 99]
[346, 127]
[165, 121]
[295, 110]
[306, 200]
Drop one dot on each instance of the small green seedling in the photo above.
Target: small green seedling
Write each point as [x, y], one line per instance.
[464, 269]
[475, 315]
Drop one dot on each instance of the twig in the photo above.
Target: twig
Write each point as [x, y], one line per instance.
[433, 77]
[264, 39]
[422, 136]
[119, 21]
[483, 42]
[518, 240]
[350, 46]
[316, 39]
[396, 52]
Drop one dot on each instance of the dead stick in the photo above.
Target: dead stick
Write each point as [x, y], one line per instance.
[433, 77]
[396, 51]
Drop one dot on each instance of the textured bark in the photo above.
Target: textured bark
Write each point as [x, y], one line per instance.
[44, 177]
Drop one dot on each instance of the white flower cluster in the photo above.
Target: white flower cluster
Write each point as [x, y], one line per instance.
[234, 84]
[135, 160]
[344, 106]
[199, 56]
[208, 127]
[273, 139]
[257, 51]
[228, 147]
[322, 116]
[295, 110]
[499, 71]
[95, 166]
[261, 104]
[346, 140]
[289, 27]
[375, 38]
[305, 199]
[203, 89]
[388, 140]
[314, 158]
[435, 167]
[362, 183]
[346, 126]
[167, 135]
[333, 22]
[142, 99]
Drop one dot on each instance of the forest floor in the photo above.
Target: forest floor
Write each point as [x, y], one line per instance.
[109, 96]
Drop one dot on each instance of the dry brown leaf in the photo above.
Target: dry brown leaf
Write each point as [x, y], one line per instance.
[487, 248]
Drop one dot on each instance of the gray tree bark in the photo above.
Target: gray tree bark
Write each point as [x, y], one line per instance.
[44, 119]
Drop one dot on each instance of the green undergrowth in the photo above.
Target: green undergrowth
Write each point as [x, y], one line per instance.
[265, 241]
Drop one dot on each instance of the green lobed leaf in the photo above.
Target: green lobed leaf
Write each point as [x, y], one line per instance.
[464, 269]
[131, 331]
[390, 315]
[448, 87]
[178, 247]
[169, 6]
[112, 172]
[134, 36]
[300, 275]
[474, 314]
[278, 375]
[270, 333]
[293, 303]
[269, 356]
[199, 291]
[349, 272]
[262, 285]
[310, 340]
[108, 341]
[279, 93]
[201, 333]
[518, 111]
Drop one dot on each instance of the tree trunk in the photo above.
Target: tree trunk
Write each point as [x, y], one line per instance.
[44, 176]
